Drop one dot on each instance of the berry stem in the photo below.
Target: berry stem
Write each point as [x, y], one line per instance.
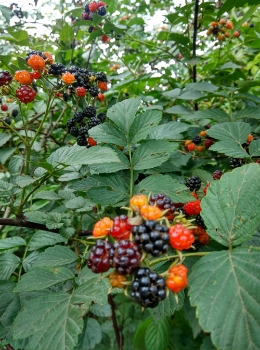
[131, 185]
[119, 335]
[170, 257]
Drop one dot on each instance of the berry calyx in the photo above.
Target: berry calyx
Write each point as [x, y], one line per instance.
[36, 62]
[23, 77]
[149, 212]
[192, 208]
[68, 78]
[125, 257]
[98, 259]
[102, 227]
[121, 227]
[117, 280]
[137, 201]
[5, 78]
[180, 237]
[25, 94]
[177, 279]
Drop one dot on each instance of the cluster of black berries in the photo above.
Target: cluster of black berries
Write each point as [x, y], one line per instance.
[148, 288]
[193, 183]
[123, 255]
[82, 122]
[236, 162]
[91, 8]
[164, 203]
[151, 237]
[17, 11]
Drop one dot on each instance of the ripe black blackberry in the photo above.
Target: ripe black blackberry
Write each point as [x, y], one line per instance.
[195, 246]
[74, 131]
[93, 122]
[83, 131]
[102, 116]
[200, 222]
[164, 203]
[217, 174]
[196, 139]
[101, 76]
[98, 259]
[7, 121]
[148, 288]
[82, 141]
[90, 29]
[151, 237]
[235, 163]
[93, 91]
[89, 112]
[35, 52]
[102, 11]
[78, 117]
[71, 122]
[15, 113]
[57, 69]
[193, 183]
[125, 256]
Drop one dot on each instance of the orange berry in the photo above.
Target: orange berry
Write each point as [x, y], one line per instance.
[187, 142]
[137, 201]
[116, 279]
[102, 85]
[223, 21]
[214, 24]
[114, 67]
[102, 227]
[177, 278]
[236, 34]
[220, 37]
[227, 35]
[229, 25]
[245, 24]
[209, 32]
[23, 77]
[68, 78]
[191, 147]
[250, 137]
[203, 133]
[149, 212]
[49, 58]
[36, 62]
[200, 148]
[100, 97]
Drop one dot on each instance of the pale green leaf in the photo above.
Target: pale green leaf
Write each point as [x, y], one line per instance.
[108, 133]
[151, 154]
[8, 264]
[4, 138]
[178, 109]
[237, 131]
[215, 114]
[52, 322]
[169, 131]
[43, 277]
[50, 195]
[80, 203]
[230, 65]
[143, 125]
[250, 112]
[91, 335]
[172, 93]
[11, 242]
[254, 148]
[202, 86]
[224, 286]
[43, 238]
[229, 148]
[231, 207]
[191, 95]
[25, 180]
[37, 216]
[5, 186]
[157, 335]
[5, 153]
[164, 184]
[30, 260]
[101, 310]
[56, 256]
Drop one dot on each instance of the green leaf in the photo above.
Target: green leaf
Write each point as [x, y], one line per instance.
[207, 344]
[30, 260]
[66, 33]
[56, 256]
[139, 336]
[229, 148]
[230, 65]
[250, 112]
[6, 153]
[6, 12]
[237, 131]
[143, 125]
[179, 109]
[80, 203]
[91, 335]
[201, 86]
[52, 322]
[180, 38]
[43, 238]
[4, 138]
[8, 264]
[12, 242]
[25, 180]
[108, 133]
[50, 195]
[151, 154]
[167, 185]
[108, 189]
[224, 286]
[254, 148]
[124, 113]
[167, 307]
[190, 315]
[215, 114]
[37, 216]
[5, 186]
[169, 131]
[43, 277]
[9, 306]
[231, 207]
[101, 310]
[191, 95]
[157, 335]
[229, 4]
[172, 93]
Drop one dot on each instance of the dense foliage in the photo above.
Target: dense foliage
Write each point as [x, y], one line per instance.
[129, 178]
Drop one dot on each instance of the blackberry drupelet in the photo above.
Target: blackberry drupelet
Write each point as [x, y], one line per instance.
[235, 163]
[101, 76]
[83, 131]
[15, 113]
[164, 203]
[102, 11]
[71, 122]
[74, 131]
[98, 260]
[193, 183]
[93, 91]
[78, 117]
[82, 141]
[35, 52]
[94, 121]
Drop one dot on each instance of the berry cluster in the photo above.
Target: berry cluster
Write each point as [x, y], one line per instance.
[91, 8]
[222, 30]
[164, 203]
[199, 143]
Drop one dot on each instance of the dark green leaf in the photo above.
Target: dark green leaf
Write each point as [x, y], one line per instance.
[237, 131]
[169, 131]
[91, 335]
[56, 256]
[12, 242]
[157, 335]
[229, 148]
[43, 239]
[8, 264]
[254, 148]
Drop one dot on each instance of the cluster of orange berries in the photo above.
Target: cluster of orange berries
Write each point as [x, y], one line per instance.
[222, 29]
[199, 143]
